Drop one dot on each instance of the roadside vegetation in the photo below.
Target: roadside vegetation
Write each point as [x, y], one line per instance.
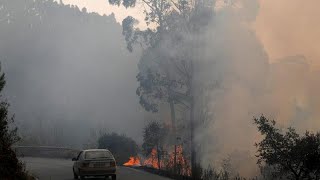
[281, 153]
[286, 153]
[10, 166]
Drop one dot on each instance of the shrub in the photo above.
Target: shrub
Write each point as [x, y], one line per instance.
[10, 166]
[121, 146]
[291, 155]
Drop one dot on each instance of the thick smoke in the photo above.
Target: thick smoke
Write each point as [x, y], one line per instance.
[289, 27]
[68, 73]
[250, 84]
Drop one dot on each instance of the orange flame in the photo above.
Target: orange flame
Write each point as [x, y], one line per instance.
[182, 165]
[152, 161]
[134, 161]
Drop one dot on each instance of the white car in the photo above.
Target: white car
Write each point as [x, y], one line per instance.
[94, 162]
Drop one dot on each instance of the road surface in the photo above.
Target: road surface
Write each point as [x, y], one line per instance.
[59, 169]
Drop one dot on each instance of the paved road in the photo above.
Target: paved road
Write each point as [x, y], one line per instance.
[58, 169]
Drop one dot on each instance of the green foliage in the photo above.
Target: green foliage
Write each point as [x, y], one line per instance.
[128, 31]
[158, 13]
[165, 76]
[121, 146]
[292, 155]
[133, 35]
[155, 88]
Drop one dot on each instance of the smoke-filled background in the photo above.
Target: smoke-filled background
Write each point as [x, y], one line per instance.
[266, 60]
[69, 73]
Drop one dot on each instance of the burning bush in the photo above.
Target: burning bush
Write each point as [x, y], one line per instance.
[182, 166]
[160, 155]
[153, 160]
[134, 161]
[153, 142]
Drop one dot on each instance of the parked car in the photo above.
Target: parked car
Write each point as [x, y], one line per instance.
[94, 162]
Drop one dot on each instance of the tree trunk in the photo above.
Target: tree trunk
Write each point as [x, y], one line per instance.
[159, 157]
[173, 120]
[193, 152]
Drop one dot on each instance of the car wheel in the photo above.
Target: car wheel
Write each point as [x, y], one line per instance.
[114, 177]
[75, 176]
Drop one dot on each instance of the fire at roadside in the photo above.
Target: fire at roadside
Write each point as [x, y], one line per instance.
[134, 162]
[177, 165]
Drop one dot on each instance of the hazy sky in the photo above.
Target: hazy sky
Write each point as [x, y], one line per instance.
[290, 27]
[286, 27]
[103, 7]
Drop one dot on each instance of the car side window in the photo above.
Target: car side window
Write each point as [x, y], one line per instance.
[82, 156]
[79, 155]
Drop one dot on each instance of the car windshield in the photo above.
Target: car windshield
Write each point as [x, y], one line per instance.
[97, 154]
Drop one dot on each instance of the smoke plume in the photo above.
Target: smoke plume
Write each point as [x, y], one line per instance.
[252, 84]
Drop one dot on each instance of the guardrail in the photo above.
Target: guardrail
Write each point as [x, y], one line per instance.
[45, 151]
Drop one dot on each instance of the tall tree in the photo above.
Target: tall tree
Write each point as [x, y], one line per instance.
[166, 68]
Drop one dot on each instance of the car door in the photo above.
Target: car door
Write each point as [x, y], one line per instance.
[77, 163]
